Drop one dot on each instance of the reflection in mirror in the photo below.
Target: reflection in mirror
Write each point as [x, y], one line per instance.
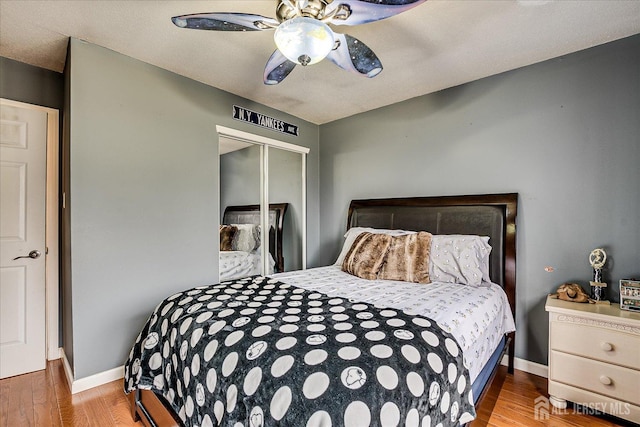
[240, 233]
[285, 186]
[251, 214]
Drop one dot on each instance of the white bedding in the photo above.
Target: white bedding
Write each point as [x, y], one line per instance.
[477, 316]
[237, 264]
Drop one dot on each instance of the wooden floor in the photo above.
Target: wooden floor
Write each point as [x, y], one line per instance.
[43, 399]
[516, 407]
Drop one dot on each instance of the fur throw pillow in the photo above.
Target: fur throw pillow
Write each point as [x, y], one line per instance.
[366, 255]
[227, 233]
[408, 258]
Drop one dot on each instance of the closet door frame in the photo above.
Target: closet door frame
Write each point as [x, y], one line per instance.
[265, 144]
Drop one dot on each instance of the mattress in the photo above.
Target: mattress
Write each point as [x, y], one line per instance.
[477, 316]
[237, 264]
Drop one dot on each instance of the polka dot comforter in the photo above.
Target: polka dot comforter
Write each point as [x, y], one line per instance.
[258, 352]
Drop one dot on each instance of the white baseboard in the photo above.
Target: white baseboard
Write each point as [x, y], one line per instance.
[67, 369]
[76, 386]
[82, 384]
[527, 366]
[54, 353]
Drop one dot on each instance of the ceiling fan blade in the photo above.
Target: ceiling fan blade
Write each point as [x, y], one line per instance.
[352, 55]
[225, 22]
[356, 12]
[278, 67]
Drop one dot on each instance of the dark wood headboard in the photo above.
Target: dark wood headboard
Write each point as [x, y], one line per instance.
[492, 215]
[250, 214]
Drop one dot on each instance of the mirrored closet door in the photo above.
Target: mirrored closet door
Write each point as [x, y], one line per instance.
[286, 186]
[262, 199]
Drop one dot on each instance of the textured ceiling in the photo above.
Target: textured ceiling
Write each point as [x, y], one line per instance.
[439, 44]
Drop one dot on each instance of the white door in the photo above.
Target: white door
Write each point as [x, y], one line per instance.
[23, 136]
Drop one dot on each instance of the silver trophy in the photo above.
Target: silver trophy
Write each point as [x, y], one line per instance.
[597, 259]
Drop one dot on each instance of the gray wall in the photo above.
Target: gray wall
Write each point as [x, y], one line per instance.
[33, 85]
[564, 134]
[144, 194]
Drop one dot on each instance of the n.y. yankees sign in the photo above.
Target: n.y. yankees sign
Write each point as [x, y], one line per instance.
[253, 117]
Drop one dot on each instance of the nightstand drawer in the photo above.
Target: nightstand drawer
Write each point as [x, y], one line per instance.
[596, 343]
[602, 378]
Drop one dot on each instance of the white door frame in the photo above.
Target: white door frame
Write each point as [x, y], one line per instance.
[51, 225]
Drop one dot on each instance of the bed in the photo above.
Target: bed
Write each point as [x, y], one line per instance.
[244, 258]
[238, 377]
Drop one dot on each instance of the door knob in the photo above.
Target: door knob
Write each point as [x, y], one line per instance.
[33, 255]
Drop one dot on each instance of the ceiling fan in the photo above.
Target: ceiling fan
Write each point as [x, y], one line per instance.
[302, 35]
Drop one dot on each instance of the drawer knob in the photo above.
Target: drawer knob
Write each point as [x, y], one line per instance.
[606, 346]
[605, 380]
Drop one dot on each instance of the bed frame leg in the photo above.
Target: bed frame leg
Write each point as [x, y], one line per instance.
[512, 350]
[133, 407]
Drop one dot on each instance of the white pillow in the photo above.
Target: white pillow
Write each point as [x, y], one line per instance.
[247, 238]
[352, 233]
[460, 259]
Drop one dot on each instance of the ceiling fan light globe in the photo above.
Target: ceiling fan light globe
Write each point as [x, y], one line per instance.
[374, 72]
[303, 40]
[180, 22]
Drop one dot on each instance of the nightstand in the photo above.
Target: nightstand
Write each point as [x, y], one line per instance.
[594, 357]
